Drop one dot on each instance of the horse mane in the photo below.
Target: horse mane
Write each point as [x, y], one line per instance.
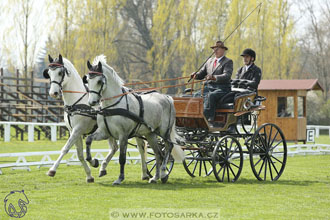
[102, 58]
[71, 69]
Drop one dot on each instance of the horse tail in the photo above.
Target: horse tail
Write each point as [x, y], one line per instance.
[177, 151]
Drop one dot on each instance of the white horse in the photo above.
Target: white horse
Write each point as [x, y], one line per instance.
[125, 116]
[66, 81]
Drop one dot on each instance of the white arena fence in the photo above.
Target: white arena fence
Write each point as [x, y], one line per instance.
[22, 163]
[317, 129]
[53, 127]
[47, 161]
[31, 125]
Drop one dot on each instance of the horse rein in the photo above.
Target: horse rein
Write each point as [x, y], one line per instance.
[141, 90]
[150, 89]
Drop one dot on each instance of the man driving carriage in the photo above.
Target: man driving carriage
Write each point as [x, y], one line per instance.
[249, 75]
[217, 71]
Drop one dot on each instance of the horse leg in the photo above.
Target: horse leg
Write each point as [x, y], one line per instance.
[72, 140]
[80, 153]
[152, 139]
[113, 149]
[93, 162]
[142, 150]
[122, 160]
[97, 135]
[168, 150]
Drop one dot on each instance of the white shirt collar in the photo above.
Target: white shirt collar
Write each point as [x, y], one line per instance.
[219, 58]
[247, 67]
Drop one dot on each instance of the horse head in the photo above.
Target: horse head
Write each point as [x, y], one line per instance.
[56, 72]
[96, 82]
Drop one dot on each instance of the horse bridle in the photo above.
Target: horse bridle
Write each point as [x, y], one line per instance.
[63, 71]
[103, 82]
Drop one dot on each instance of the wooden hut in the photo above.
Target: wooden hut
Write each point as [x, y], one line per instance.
[286, 105]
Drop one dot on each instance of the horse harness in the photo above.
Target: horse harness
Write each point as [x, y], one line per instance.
[75, 108]
[63, 71]
[139, 119]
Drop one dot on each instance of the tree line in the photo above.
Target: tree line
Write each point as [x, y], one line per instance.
[146, 39]
[158, 39]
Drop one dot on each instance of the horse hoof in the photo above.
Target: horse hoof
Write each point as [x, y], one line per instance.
[102, 173]
[152, 181]
[116, 183]
[95, 163]
[164, 179]
[51, 173]
[91, 180]
[145, 178]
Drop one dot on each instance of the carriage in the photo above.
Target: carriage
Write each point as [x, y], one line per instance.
[221, 148]
[209, 149]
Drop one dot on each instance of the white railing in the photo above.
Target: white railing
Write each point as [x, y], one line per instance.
[46, 161]
[317, 128]
[53, 129]
[22, 163]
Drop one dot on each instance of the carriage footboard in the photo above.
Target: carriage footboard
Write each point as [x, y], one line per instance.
[189, 112]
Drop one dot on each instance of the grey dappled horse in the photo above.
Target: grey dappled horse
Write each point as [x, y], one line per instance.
[121, 118]
[66, 81]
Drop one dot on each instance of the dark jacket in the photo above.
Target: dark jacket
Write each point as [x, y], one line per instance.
[252, 75]
[222, 71]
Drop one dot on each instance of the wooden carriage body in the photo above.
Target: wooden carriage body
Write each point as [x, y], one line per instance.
[189, 111]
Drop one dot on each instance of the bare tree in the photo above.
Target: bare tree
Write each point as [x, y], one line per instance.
[23, 37]
[316, 43]
[136, 40]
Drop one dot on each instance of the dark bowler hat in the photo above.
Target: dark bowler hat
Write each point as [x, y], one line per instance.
[219, 44]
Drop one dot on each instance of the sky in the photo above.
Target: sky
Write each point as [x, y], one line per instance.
[9, 35]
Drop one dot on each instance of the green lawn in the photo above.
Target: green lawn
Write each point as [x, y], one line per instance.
[303, 192]
[322, 139]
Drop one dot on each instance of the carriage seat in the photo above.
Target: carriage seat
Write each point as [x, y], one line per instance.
[228, 100]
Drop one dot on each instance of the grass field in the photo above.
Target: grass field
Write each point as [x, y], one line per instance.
[303, 191]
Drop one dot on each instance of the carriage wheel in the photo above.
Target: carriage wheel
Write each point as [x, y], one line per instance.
[227, 159]
[151, 162]
[248, 123]
[268, 152]
[197, 163]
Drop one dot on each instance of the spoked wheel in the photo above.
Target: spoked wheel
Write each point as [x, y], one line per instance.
[227, 159]
[151, 162]
[198, 162]
[249, 122]
[268, 152]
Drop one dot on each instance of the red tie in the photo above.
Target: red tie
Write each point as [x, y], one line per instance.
[215, 63]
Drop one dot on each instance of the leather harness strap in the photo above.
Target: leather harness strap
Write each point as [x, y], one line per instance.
[80, 109]
[139, 119]
[58, 65]
[141, 114]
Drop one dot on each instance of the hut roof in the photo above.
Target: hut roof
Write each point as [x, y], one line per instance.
[290, 84]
